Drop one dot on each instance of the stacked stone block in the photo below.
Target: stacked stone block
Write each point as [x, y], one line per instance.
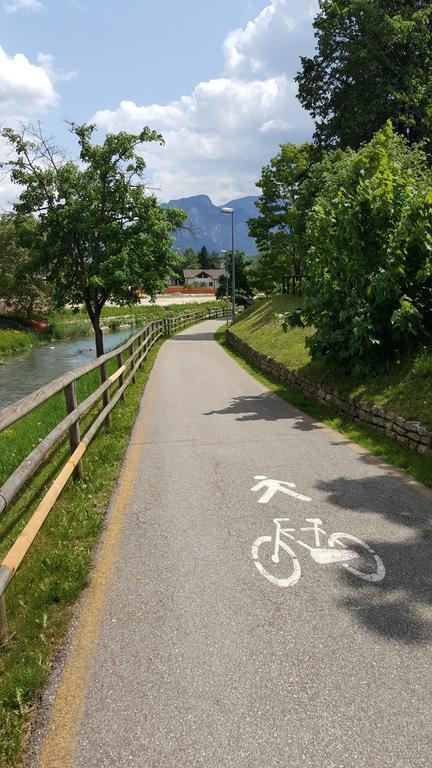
[413, 434]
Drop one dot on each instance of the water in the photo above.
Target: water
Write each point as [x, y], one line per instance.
[26, 371]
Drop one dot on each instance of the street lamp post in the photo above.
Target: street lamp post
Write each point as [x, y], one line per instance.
[227, 286]
[231, 212]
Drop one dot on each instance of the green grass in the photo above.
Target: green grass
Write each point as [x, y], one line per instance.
[17, 441]
[404, 387]
[40, 598]
[152, 312]
[419, 467]
[12, 340]
[68, 324]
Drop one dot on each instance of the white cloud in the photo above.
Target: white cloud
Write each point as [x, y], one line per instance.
[13, 6]
[26, 92]
[8, 190]
[25, 89]
[46, 62]
[275, 125]
[273, 41]
[219, 136]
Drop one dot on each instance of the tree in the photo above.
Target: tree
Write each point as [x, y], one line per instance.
[373, 62]
[100, 236]
[368, 291]
[243, 289]
[204, 258]
[22, 283]
[215, 260]
[276, 229]
[208, 260]
[265, 276]
[190, 259]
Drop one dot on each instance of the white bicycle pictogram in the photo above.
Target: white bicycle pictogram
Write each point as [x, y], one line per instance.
[345, 554]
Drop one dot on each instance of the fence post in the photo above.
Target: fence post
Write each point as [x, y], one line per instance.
[121, 378]
[106, 395]
[4, 633]
[140, 342]
[132, 351]
[74, 430]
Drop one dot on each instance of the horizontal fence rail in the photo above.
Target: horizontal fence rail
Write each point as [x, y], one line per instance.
[128, 358]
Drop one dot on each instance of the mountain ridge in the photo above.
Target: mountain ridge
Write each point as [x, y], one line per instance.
[206, 226]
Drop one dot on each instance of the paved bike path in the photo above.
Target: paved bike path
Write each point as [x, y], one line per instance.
[187, 655]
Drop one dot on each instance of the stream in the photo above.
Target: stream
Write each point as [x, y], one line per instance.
[25, 371]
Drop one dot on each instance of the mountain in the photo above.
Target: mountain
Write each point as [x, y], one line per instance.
[207, 226]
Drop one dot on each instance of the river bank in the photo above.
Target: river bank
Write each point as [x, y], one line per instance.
[68, 324]
[69, 344]
[12, 340]
[31, 368]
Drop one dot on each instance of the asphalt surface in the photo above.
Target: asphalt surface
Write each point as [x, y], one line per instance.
[201, 660]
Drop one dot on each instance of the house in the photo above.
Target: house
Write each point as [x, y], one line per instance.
[203, 278]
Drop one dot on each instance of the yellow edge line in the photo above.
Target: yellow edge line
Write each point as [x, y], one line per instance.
[60, 739]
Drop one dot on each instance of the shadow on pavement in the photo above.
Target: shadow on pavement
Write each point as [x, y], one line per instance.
[265, 407]
[400, 607]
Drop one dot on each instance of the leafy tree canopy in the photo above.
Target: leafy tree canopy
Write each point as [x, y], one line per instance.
[243, 287]
[190, 259]
[278, 230]
[373, 62]
[101, 237]
[208, 260]
[368, 288]
[22, 282]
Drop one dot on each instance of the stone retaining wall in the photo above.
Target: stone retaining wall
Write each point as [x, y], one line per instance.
[413, 434]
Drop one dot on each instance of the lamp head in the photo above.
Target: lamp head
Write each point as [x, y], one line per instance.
[227, 210]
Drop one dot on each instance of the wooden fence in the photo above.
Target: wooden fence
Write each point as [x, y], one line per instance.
[128, 358]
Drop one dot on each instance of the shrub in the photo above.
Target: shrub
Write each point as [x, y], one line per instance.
[368, 290]
[69, 330]
[423, 365]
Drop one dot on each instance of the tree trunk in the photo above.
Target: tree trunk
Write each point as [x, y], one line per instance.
[99, 340]
[94, 315]
[29, 312]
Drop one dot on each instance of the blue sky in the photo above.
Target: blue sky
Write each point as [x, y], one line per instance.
[215, 78]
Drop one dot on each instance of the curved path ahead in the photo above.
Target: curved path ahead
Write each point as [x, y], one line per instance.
[186, 654]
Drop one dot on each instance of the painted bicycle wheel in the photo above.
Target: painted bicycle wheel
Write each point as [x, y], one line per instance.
[370, 568]
[262, 551]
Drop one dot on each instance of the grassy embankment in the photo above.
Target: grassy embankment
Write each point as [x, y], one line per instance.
[404, 388]
[68, 324]
[13, 340]
[40, 598]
